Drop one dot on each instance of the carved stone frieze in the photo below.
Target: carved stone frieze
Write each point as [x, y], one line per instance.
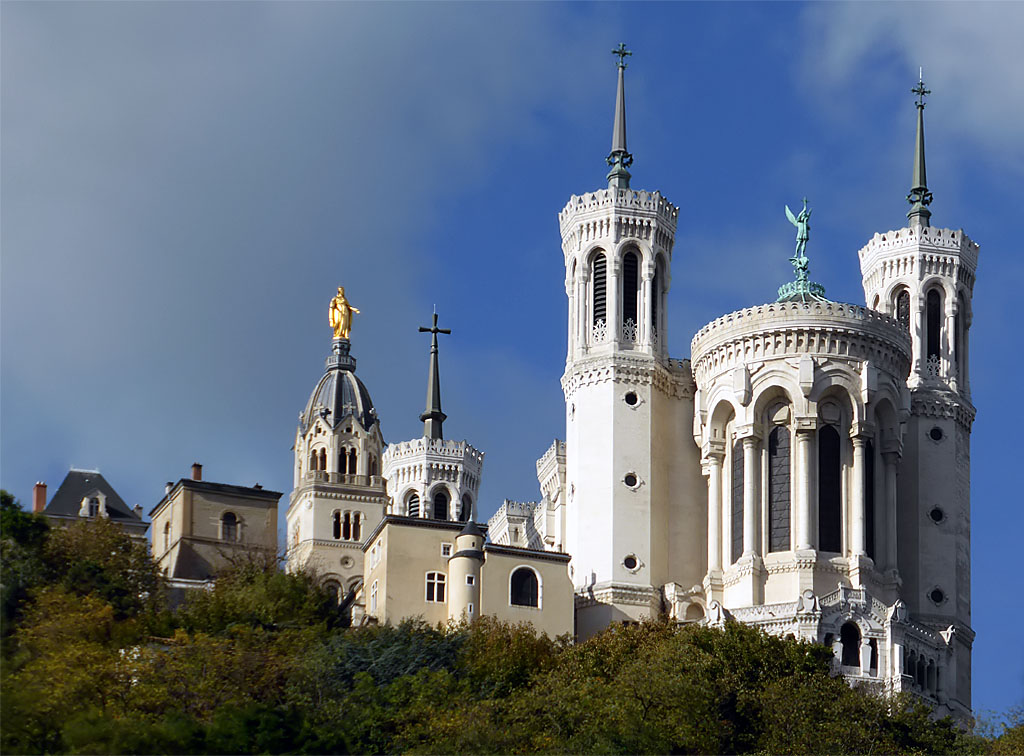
[674, 380]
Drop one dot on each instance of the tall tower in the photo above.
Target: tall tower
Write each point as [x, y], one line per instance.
[339, 494]
[429, 477]
[924, 276]
[622, 393]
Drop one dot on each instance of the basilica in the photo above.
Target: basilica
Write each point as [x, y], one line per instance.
[806, 470]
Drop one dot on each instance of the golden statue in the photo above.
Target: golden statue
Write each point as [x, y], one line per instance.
[340, 315]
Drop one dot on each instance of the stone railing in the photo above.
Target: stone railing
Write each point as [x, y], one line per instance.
[783, 329]
[930, 239]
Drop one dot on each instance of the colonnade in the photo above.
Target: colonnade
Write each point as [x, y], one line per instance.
[803, 497]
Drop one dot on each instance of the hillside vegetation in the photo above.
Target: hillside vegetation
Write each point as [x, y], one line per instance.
[94, 662]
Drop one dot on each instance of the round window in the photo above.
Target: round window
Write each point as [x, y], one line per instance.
[630, 480]
[631, 398]
[937, 595]
[347, 561]
[935, 434]
[630, 562]
[937, 514]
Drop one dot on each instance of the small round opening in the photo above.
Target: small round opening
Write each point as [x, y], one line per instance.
[937, 595]
[935, 434]
[630, 562]
[937, 514]
[630, 480]
[631, 398]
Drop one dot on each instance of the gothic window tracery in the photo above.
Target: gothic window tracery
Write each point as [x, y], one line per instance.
[630, 295]
[598, 284]
[903, 309]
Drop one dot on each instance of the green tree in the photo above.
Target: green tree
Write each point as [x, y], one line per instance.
[22, 537]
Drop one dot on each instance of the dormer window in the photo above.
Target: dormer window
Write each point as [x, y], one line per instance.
[94, 507]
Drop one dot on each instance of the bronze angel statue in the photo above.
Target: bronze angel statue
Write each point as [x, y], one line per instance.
[803, 233]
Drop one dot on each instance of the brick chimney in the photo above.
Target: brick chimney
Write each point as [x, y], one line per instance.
[197, 471]
[38, 497]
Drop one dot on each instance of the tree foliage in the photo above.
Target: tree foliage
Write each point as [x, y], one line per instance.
[262, 663]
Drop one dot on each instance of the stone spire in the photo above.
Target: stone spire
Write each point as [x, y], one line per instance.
[619, 158]
[919, 196]
[433, 417]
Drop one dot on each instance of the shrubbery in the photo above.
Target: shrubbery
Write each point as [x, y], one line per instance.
[95, 663]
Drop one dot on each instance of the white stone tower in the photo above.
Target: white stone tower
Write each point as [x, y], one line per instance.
[429, 477]
[924, 277]
[339, 494]
[623, 397]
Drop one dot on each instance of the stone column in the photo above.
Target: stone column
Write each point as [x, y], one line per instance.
[751, 494]
[611, 306]
[891, 459]
[858, 543]
[802, 489]
[949, 342]
[714, 468]
[644, 307]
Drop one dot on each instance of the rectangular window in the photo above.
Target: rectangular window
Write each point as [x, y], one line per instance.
[373, 597]
[470, 579]
[470, 607]
[435, 587]
[446, 549]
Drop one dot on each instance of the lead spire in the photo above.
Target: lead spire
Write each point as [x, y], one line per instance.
[919, 196]
[619, 158]
[433, 417]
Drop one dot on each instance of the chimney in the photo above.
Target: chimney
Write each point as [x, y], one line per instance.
[197, 471]
[38, 497]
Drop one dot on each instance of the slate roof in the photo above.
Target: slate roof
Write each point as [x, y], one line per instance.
[81, 483]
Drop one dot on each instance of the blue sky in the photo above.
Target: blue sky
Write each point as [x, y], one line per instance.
[183, 186]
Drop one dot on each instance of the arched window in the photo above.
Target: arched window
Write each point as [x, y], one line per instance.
[346, 526]
[357, 526]
[778, 489]
[524, 589]
[903, 309]
[343, 462]
[435, 587]
[413, 505]
[934, 319]
[869, 499]
[373, 465]
[167, 536]
[873, 664]
[466, 511]
[736, 518]
[229, 527]
[336, 525]
[323, 459]
[440, 506]
[829, 490]
[598, 282]
[849, 635]
[333, 589]
[630, 295]
[352, 462]
[314, 460]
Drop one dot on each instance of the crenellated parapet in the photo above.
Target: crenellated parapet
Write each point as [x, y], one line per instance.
[618, 213]
[425, 466]
[917, 254]
[794, 329]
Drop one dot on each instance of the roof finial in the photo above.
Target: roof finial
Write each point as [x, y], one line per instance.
[919, 196]
[802, 289]
[619, 158]
[433, 416]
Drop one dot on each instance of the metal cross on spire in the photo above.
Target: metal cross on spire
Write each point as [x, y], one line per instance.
[623, 53]
[919, 90]
[433, 417]
[919, 196]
